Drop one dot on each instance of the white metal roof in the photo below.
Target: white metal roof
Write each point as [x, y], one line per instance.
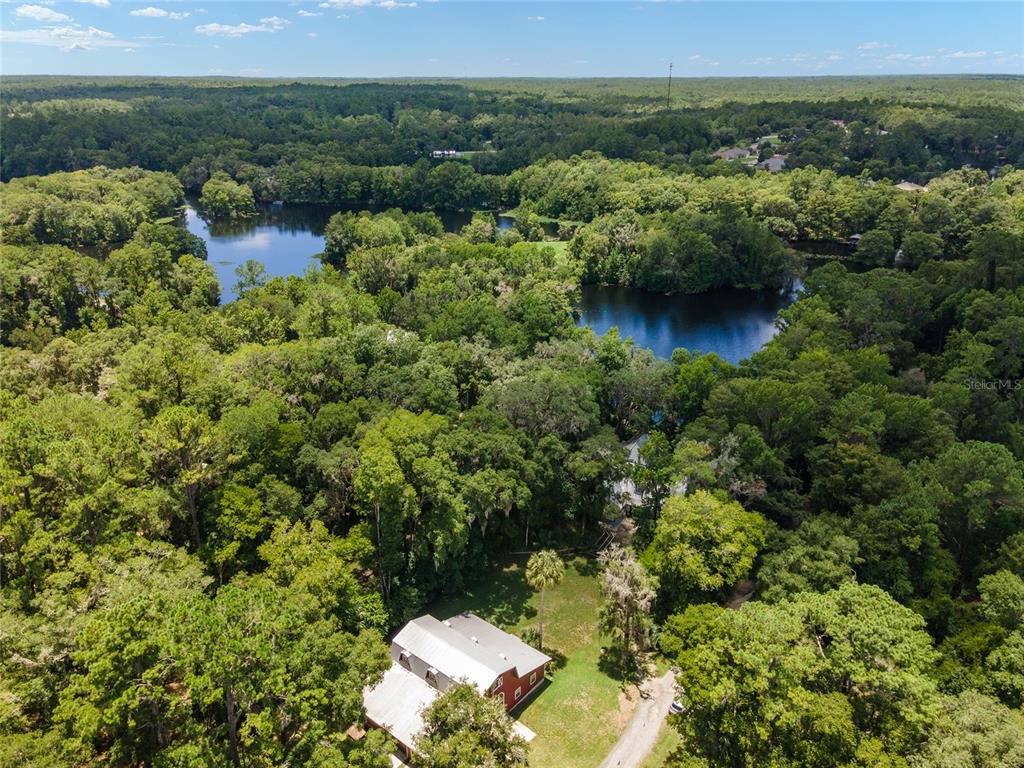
[397, 703]
[633, 448]
[508, 649]
[451, 652]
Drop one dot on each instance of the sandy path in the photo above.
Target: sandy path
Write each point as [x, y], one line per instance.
[640, 735]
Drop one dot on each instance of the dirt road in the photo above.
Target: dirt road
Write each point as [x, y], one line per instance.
[638, 739]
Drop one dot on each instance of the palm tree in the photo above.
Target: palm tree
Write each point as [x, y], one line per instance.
[544, 569]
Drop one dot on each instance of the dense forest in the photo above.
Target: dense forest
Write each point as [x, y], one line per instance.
[371, 142]
[211, 515]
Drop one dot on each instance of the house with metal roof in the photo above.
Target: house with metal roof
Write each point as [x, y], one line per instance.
[428, 656]
[773, 164]
[624, 493]
[732, 153]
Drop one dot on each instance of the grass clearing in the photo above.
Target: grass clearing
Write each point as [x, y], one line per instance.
[580, 711]
[561, 249]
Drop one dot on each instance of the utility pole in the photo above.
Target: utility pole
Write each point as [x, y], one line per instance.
[668, 101]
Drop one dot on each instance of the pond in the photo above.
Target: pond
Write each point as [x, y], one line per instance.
[732, 323]
[286, 239]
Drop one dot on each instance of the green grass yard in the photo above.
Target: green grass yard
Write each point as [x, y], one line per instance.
[561, 248]
[580, 712]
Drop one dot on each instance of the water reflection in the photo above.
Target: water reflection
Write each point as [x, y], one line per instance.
[286, 239]
[732, 323]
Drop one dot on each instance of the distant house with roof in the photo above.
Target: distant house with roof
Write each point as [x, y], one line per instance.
[428, 656]
[625, 495]
[773, 164]
[734, 153]
[909, 186]
[624, 490]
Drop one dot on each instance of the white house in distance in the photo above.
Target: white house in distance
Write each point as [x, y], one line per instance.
[624, 490]
[625, 495]
[909, 186]
[428, 656]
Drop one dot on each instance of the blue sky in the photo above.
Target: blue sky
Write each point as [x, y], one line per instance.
[395, 38]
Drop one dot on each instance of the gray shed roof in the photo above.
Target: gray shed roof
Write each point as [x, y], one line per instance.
[451, 652]
[508, 649]
[396, 704]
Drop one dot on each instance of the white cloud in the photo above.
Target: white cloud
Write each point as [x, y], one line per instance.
[158, 13]
[308, 14]
[72, 38]
[966, 55]
[908, 57]
[311, 34]
[386, 4]
[535, 18]
[97, 3]
[871, 46]
[40, 13]
[267, 24]
[698, 59]
[228, 30]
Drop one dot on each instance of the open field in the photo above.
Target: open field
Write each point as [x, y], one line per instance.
[580, 712]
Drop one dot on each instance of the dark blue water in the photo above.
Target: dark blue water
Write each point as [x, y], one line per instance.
[732, 323]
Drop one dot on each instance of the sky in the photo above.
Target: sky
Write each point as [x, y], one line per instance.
[449, 38]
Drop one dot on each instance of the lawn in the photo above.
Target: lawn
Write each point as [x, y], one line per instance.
[580, 712]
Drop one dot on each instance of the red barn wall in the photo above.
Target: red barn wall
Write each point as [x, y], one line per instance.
[509, 683]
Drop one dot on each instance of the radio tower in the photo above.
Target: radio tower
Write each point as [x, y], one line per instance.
[668, 100]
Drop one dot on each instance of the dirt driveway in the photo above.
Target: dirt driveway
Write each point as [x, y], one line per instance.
[640, 735]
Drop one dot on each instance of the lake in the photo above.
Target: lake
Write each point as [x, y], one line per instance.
[285, 238]
[732, 323]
